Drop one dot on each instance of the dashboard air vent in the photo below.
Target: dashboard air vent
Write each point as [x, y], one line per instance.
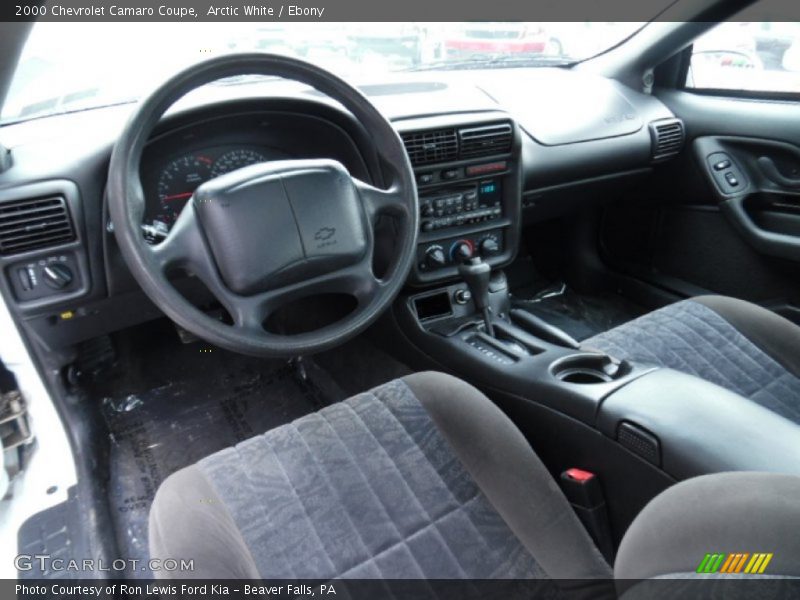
[34, 223]
[428, 147]
[486, 140]
[667, 137]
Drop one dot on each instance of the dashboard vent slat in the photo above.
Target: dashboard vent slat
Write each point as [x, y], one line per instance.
[429, 147]
[485, 140]
[34, 223]
[667, 138]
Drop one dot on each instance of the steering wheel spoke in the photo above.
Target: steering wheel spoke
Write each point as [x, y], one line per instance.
[379, 202]
[357, 280]
[184, 245]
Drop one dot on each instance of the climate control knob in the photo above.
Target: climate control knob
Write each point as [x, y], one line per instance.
[461, 251]
[489, 246]
[435, 257]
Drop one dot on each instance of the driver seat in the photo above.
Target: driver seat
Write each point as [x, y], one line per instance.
[424, 477]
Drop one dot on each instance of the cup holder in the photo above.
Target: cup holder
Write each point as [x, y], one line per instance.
[587, 369]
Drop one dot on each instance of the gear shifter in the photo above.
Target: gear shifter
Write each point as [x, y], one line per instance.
[477, 274]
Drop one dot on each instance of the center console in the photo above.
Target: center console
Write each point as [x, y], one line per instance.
[445, 324]
[469, 180]
[678, 423]
[639, 427]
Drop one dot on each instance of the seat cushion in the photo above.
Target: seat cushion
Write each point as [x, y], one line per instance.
[731, 343]
[373, 488]
[744, 513]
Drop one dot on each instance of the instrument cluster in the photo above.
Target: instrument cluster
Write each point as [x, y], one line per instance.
[179, 176]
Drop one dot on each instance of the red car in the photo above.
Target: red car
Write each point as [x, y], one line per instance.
[490, 39]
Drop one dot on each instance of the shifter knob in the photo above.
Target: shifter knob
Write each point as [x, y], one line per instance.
[477, 274]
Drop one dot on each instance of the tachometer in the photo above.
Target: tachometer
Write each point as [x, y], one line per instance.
[178, 181]
[236, 159]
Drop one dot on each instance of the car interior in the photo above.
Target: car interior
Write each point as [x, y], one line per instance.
[511, 323]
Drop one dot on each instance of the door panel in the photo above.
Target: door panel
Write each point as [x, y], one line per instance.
[756, 184]
[725, 216]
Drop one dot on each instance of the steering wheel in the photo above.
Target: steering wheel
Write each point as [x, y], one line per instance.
[268, 235]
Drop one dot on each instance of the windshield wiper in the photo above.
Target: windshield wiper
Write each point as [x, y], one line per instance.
[489, 62]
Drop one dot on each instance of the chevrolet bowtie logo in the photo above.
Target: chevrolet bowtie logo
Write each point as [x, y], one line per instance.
[325, 233]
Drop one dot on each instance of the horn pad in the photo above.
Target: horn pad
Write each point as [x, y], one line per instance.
[273, 224]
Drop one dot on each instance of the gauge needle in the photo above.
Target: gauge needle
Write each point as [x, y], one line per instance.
[177, 196]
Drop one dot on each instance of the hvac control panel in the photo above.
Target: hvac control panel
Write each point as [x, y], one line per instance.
[453, 251]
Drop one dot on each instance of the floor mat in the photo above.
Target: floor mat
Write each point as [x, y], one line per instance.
[580, 315]
[168, 404]
[173, 404]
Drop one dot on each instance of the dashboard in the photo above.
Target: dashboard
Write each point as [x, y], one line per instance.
[491, 151]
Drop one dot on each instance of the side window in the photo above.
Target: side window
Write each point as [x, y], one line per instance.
[758, 57]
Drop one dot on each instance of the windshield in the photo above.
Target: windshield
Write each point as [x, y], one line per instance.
[68, 66]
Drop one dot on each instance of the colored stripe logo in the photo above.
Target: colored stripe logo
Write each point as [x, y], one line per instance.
[735, 562]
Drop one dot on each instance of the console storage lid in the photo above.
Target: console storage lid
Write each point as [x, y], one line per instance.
[699, 427]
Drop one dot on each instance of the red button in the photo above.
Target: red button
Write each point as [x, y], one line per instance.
[579, 475]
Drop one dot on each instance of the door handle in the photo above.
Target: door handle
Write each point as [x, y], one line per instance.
[773, 174]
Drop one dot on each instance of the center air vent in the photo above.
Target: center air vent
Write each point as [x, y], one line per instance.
[485, 140]
[667, 137]
[34, 223]
[428, 147]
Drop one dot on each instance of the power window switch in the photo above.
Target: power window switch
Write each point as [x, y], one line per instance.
[732, 180]
[722, 165]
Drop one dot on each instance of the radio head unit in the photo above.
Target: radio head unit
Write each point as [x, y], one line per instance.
[467, 204]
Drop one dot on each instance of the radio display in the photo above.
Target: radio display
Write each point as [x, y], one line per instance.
[490, 193]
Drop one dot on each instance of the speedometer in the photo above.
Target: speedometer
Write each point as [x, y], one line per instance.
[236, 159]
[177, 181]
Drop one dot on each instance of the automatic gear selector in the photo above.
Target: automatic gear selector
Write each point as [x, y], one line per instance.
[477, 274]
